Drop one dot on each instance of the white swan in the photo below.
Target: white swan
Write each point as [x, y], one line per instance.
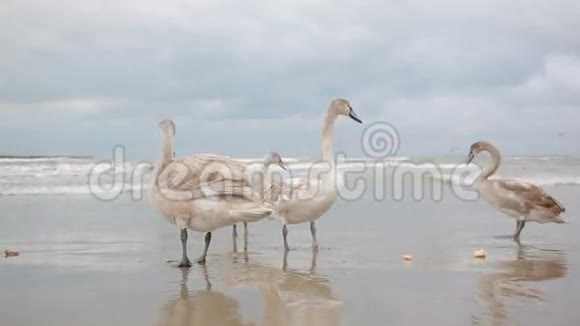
[263, 180]
[202, 192]
[306, 199]
[521, 200]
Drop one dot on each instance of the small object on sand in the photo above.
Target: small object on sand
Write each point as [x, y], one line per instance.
[407, 258]
[171, 261]
[480, 254]
[10, 253]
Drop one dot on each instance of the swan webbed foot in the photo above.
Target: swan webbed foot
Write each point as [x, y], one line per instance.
[185, 263]
[201, 260]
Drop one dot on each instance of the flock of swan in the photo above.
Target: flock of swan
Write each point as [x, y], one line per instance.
[207, 192]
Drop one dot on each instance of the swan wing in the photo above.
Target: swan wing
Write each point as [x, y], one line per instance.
[531, 195]
[188, 173]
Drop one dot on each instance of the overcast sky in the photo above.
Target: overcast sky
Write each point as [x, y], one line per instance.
[246, 77]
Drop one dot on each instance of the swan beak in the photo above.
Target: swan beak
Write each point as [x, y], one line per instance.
[470, 157]
[281, 164]
[353, 116]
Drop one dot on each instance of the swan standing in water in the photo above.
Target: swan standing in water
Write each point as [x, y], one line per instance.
[202, 192]
[306, 199]
[272, 158]
[521, 200]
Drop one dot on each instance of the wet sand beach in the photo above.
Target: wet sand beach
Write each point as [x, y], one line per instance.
[87, 262]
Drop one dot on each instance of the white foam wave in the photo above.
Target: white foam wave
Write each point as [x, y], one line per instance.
[36, 160]
[72, 176]
[539, 180]
[98, 192]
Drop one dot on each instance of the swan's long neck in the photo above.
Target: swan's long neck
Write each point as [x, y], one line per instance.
[266, 181]
[327, 134]
[495, 159]
[166, 149]
[330, 177]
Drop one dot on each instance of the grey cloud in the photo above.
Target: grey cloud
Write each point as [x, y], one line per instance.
[446, 68]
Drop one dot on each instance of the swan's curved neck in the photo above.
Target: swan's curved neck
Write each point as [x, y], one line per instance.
[166, 149]
[327, 134]
[495, 159]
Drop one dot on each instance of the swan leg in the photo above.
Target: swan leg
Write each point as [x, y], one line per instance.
[313, 232]
[285, 236]
[519, 227]
[201, 260]
[184, 260]
[285, 261]
[245, 236]
[235, 237]
[313, 261]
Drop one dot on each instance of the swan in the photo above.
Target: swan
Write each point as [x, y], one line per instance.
[520, 200]
[202, 192]
[271, 158]
[301, 200]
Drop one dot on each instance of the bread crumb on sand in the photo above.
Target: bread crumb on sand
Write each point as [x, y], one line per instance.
[480, 254]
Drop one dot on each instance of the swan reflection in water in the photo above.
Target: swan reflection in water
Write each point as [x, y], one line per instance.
[287, 298]
[291, 297]
[514, 279]
[202, 307]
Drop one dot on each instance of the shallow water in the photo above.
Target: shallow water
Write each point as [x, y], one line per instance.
[87, 262]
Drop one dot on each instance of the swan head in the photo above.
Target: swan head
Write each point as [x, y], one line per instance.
[341, 106]
[166, 127]
[477, 148]
[274, 158]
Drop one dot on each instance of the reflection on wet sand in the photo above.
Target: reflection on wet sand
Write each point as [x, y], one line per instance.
[203, 307]
[513, 278]
[288, 298]
[291, 297]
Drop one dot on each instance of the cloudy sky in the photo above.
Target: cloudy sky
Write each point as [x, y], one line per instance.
[246, 77]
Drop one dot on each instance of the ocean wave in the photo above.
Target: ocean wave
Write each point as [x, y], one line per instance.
[537, 180]
[71, 176]
[36, 160]
[31, 190]
[537, 158]
[552, 181]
